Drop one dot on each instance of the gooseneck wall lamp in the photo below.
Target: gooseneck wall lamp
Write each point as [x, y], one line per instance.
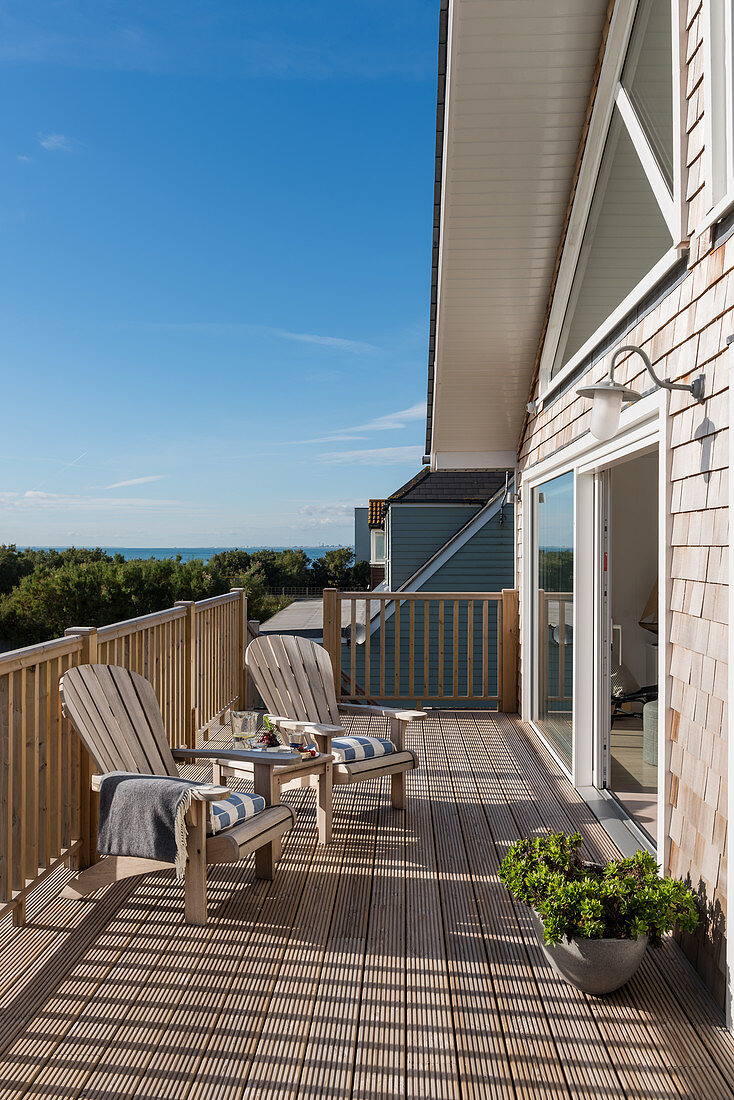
[608, 396]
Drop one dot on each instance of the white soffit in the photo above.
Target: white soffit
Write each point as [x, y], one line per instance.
[519, 81]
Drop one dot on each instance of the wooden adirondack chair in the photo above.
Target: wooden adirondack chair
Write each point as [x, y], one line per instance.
[116, 714]
[296, 681]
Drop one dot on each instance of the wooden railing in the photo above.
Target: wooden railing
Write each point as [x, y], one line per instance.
[192, 653]
[435, 647]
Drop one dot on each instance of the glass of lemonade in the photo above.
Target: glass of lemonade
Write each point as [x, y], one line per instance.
[244, 727]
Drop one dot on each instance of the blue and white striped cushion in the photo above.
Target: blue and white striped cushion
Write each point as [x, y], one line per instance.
[238, 807]
[346, 749]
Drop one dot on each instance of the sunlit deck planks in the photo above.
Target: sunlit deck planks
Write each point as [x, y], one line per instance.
[390, 964]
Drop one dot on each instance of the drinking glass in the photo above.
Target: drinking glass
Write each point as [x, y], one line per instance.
[244, 727]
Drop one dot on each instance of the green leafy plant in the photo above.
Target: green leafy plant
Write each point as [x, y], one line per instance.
[622, 899]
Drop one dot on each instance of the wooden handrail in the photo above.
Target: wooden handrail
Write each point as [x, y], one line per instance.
[216, 601]
[15, 659]
[143, 622]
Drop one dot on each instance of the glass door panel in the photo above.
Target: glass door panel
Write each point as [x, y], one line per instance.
[553, 609]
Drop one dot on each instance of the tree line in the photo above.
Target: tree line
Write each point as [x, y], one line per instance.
[42, 592]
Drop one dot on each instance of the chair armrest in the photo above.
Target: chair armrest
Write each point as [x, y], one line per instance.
[228, 756]
[321, 733]
[304, 727]
[385, 712]
[205, 792]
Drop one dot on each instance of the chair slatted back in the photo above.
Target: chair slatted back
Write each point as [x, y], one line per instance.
[116, 714]
[294, 677]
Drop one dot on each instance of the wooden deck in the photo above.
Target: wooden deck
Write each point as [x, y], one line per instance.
[391, 963]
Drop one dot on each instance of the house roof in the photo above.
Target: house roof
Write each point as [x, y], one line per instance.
[515, 80]
[450, 487]
[376, 515]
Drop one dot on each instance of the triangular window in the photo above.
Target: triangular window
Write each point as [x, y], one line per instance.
[630, 222]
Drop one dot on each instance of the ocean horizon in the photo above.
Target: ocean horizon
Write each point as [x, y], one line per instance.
[191, 553]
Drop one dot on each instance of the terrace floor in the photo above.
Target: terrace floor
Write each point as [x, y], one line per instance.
[391, 963]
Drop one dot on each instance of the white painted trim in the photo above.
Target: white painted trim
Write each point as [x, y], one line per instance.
[584, 649]
[720, 211]
[649, 162]
[730, 768]
[672, 208]
[662, 267]
[448, 83]
[665, 564]
[718, 110]
[473, 460]
[680, 111]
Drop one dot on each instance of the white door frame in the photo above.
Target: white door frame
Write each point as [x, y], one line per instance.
[643, 425]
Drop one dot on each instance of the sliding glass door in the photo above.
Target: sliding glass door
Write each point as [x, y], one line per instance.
[553, 550]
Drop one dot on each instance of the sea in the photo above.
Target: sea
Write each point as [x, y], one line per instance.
[189, 553]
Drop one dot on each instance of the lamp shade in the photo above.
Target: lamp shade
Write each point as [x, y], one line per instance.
[606, 410]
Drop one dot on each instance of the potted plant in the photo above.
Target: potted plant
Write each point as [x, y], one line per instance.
[595, 921]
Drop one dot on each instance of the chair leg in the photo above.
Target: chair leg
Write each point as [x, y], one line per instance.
[397, 790]
[265, 861]
[195, 881]
[267, 785]
[323, 804]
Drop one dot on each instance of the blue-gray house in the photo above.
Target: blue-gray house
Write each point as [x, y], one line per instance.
[444, 531]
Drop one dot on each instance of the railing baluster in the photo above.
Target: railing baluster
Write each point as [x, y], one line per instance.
[470, 649]
[353, 648]
[440, 647]
[411, 649]
[455, 648]
[54, 760]
[397, 649]
[427, 647]
[6, 786]
[485, 649]
[367, 645]
[382, 648]
[19, 782]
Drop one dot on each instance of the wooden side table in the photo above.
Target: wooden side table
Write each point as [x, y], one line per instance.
[311, 771]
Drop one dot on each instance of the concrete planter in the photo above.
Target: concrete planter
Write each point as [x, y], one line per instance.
[594, 966]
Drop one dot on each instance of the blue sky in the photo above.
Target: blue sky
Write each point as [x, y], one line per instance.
[216, 230]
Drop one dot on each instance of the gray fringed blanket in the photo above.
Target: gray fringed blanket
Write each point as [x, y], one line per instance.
[144, 816]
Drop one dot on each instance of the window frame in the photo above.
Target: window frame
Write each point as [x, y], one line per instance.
[610, 93]
[718, 114]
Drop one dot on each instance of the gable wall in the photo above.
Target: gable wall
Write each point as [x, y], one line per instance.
[417, 531]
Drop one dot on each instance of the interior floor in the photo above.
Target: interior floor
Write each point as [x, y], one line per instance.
[632, 780]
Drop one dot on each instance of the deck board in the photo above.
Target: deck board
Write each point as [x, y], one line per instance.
[391, 963]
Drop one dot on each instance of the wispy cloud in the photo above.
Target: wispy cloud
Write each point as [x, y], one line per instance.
[339, 342]
[226, 328]
[24, 159]
[387, 422]
[55, 143]
[33, 500]
[136, 481]
[377, 456]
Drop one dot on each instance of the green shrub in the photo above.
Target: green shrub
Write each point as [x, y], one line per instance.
[622, 899]
[100, 591]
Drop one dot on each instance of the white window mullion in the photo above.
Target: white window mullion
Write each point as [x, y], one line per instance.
[649, 163]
